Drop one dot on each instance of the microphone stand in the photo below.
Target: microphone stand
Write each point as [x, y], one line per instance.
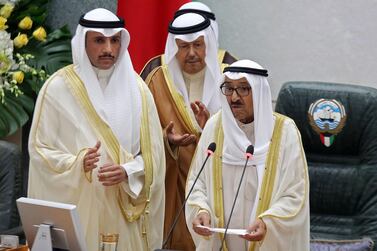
[211, 149]
[248, 156]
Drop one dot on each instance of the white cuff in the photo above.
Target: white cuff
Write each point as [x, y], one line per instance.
[135, 173]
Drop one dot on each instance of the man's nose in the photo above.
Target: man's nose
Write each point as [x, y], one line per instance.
[107, 46]
[191, 51]
[235, 95]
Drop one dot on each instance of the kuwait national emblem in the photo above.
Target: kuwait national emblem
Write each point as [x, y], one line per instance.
[327, 117]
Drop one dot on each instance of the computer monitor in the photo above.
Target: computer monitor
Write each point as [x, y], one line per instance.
[42, 218]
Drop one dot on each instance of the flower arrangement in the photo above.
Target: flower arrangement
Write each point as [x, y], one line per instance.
[28, 55]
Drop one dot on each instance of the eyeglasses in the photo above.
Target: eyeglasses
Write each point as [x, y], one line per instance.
[241, 91]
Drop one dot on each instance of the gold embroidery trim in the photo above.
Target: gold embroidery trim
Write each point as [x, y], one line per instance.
[270, 169]
[38, 116]
[150, 60]
[88, 176]
[146, 144]
[222, 67]
[306, 189]
[150, 75]
[103, 130]
[268, 179]
[178, 100]
[130, 211]
[220, 55]
[146, 149]
[218, 182]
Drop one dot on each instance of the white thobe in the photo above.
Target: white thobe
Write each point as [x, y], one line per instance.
[134, 168]
[59, 138]
[287, 218]
[245, 201]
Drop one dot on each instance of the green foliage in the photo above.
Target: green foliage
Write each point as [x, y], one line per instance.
[54, 52]
[18, 100]
[14, 113]
[51, 55]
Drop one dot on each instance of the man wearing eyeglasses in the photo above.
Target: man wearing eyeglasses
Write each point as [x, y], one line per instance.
[241, 106]
[271, 211]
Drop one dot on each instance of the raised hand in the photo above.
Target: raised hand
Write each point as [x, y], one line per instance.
[111, 174]
[178, 139]
[201, 113]
[91, 157]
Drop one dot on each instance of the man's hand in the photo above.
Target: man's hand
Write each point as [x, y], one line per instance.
[201, 113]
[91, 157]
[176, 139]
[202, 219]
[111, 174]
[257, 231]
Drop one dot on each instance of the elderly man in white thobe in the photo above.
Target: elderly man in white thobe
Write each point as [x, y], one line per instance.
[273, 202]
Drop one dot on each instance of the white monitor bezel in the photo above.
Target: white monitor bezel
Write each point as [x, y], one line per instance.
[61, 216]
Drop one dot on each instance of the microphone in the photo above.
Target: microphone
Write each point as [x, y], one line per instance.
[248, 155]
[210, 150]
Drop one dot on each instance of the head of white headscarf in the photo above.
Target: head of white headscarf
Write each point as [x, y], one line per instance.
[119, 104]
[203, 7]
[213, 71]
[235, 140]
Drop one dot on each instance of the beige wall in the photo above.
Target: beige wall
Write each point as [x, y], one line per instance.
[323, 40]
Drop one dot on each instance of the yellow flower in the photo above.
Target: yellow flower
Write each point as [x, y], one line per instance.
[6, 10]
[2, 23]
[20, 40]
[40, 34]
[18, 76]
[25, 23]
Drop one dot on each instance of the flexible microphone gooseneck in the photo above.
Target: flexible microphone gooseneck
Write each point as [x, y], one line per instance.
[249, 154]
[210, 150]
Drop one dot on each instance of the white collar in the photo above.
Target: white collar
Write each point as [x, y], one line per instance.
[101, 73]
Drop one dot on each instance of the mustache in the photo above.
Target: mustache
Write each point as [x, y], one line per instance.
[193, 59]
[236, 103]
[106, 55]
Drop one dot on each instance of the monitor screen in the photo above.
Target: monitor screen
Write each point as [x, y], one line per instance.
[65, 227]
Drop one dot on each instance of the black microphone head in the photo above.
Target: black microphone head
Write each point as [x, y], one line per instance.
[212, 147]
[250, 149]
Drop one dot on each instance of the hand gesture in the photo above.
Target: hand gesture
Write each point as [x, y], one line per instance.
[177, 139]
[257, 231]
[91, 157]
[111, 174]
[201, 113]
[202, 219]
